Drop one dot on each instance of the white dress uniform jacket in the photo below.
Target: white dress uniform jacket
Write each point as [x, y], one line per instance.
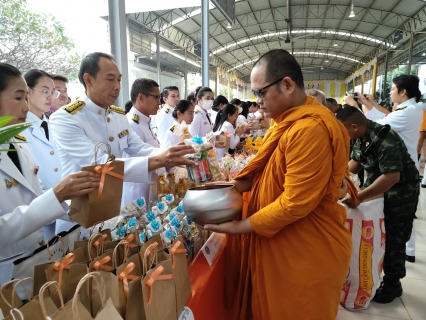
[78, 127]
[235, 139]
[405, 121]
[201, 125]
[24, 208]
[140, 124]
[164, 120]
[44, 151]
[170, 139]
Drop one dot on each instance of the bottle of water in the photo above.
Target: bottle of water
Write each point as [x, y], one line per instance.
[152, 202]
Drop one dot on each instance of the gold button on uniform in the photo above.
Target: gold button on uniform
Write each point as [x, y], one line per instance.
[41, 242]
[100, 111]
[56, 169]
[52, 153]
[108, 119]
[111, 138]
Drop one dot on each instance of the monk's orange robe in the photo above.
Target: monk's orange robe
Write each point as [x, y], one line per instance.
[294, 263]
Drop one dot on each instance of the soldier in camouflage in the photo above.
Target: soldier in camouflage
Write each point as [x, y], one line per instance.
[390, 170]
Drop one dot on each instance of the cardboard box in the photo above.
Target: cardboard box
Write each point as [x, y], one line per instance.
[226, 140]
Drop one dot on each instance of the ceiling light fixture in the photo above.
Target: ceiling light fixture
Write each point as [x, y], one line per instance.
[335, 44]
[326, 60]
[229, 25]
[248, 49]
[322, 68]
[352, 14]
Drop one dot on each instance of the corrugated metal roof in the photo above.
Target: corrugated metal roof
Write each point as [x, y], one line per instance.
[315, 26]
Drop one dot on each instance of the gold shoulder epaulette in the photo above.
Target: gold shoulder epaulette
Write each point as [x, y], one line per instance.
[402, 108]
[117, 109]
[197, 111]
[167, 110]
[135, 118]
[74, 107]
[172, 129]
[20, 137]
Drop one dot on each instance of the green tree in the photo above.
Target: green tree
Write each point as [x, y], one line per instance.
[223, 90]
[30, 40]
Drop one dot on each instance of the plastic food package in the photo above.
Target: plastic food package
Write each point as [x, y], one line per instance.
[367, 226]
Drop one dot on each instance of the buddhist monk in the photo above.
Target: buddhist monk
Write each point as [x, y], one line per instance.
[293, 249]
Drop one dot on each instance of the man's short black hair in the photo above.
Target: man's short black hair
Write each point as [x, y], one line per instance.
[142, 85]
[353, 114]
[409, 83]
[90, 65]
[331, 100]
[166, 90]
[280, 64]
[128, 106]
[60, 77]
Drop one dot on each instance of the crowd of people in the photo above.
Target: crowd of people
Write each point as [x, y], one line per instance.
[291, 242]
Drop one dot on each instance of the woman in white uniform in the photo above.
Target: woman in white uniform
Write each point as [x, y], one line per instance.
[184, 111]
[225, 122]
[218, 104]
[24, 208]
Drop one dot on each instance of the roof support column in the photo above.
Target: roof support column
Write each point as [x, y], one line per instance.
[410, 53]
[117, 22]
[157, 42]
[229, 89]
[216, 82]
[205, 41]
[186, 76]
[385, 78]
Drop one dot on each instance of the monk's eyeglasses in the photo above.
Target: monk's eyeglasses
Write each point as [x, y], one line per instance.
[258, 93]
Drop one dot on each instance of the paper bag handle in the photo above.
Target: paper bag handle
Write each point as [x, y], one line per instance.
[13, 291]
[18, 312]
[97, 147]
[99, 282]
[99, 246]
[152, 248]
[41, 296]
[93, 228]
[48, 246]
[125, 244]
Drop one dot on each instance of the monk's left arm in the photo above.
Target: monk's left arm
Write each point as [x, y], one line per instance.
[308, 159]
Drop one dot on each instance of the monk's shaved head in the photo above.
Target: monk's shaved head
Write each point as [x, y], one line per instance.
[279, 64]
[351, 115]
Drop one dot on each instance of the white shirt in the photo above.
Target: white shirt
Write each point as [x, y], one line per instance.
[77, 133]
[44, 151]
[140, 124]
[201, 125]
[170, 139]
[164, 121]
[24, 209]
[235, 139]
[375, 114]
[405, 121]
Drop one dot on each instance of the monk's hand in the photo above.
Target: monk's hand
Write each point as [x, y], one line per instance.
[233, 227]
[350, 202]
[75, 185]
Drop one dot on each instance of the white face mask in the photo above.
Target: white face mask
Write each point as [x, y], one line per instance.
[240, 109]
[207, 104]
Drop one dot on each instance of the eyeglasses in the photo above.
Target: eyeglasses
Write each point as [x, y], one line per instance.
[152, 95]
[48, 93]
[258, 93]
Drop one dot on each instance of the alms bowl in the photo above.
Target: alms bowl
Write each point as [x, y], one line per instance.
[212, 204]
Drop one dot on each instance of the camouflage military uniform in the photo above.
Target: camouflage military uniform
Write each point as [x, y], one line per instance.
[400, 202]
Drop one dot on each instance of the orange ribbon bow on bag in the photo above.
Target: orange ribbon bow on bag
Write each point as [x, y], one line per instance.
[124, 276]
[129, 239]
[107, 169]
[100, 264]
[175, 249]
[64, 264]
[154, 277]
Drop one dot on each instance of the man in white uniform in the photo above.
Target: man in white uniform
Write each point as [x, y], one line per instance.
[164, 118]
[145, 96]
[405, 120]
[80, 126]
[61, 87]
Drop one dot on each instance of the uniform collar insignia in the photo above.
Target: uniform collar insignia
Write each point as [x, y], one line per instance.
[135, 118]
[167, 110]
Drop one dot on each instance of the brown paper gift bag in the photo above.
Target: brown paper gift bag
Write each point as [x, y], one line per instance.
[180, 274]
[75, 310]
[96, 243]
[104, 203]
[9, 299]
[31, 310]
[67, 272]
[225, 139]
[159, 293]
